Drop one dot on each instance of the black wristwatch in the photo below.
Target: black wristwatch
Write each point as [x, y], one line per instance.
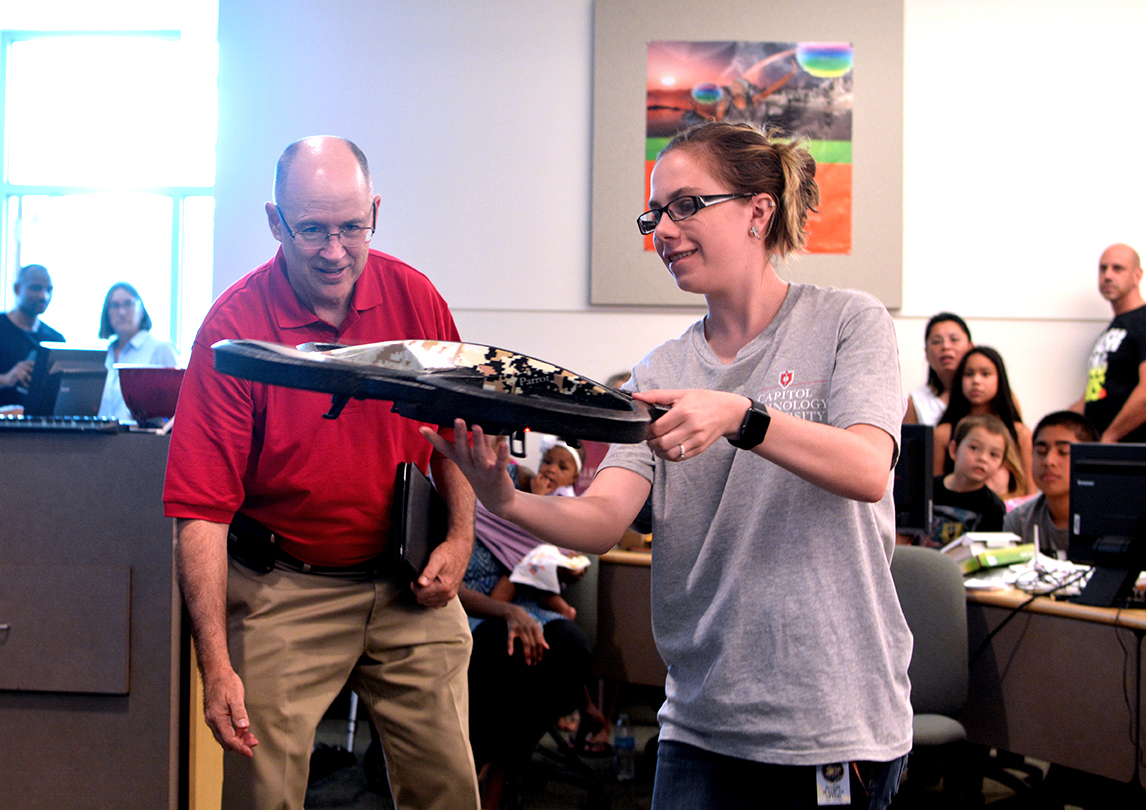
[753, 428]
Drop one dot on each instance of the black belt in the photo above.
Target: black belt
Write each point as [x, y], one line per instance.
[255, 546]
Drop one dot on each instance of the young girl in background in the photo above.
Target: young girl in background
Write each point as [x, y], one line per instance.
[985, 389]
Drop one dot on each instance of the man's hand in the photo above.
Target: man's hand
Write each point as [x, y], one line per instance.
[19, 374]
[225, 710]
[201, 554]
[439, 582]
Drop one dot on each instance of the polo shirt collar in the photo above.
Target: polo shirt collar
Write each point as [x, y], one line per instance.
[291, 314]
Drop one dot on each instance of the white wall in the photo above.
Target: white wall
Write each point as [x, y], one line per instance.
[1020, 121]
[1021, 124]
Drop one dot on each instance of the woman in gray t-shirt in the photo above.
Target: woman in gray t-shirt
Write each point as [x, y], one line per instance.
[773, 604]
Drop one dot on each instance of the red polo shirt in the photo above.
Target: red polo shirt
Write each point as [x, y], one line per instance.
[324, 485]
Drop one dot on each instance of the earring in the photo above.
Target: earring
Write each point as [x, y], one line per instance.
[754, 232]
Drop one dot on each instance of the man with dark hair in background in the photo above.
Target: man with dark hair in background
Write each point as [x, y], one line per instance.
[1049, 511]
[21, 331]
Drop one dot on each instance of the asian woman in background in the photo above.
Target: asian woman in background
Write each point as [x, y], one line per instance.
[945, 341]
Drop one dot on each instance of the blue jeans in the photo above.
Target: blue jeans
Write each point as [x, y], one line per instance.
[691, 778]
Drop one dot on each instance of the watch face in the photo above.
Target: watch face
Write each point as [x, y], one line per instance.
[754, 427]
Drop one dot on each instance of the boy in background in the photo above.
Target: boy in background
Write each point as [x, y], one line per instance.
[1050, 468]
[963, 502]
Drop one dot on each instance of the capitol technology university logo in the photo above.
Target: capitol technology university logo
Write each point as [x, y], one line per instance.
[803, 399]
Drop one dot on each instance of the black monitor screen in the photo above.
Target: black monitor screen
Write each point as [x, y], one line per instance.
[1108, 517]
[66, 381]
[914, 480]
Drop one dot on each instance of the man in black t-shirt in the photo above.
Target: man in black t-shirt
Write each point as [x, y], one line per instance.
[1115, 396]
[21, 331]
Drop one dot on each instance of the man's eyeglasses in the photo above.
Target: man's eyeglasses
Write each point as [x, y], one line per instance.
[317, 236]
[682, 208]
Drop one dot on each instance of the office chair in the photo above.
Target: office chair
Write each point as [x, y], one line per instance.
[934, 603]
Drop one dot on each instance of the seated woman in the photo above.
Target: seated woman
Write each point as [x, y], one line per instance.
[985, 389]
[530, 664]
[945, 340]
[125, 317]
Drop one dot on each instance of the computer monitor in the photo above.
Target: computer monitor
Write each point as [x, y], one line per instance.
[1108, 518]
[914, 479]
[66, 381]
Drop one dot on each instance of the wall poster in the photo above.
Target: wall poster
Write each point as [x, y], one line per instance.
[802, 89]
[828, 72]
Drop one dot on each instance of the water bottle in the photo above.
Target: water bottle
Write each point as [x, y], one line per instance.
[624, 750]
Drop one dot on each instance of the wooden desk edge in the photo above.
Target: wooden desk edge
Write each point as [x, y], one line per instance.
[619, 557]
[1010, 598]
[1007, 598]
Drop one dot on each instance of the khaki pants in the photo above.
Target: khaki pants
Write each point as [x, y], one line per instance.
[296, 639]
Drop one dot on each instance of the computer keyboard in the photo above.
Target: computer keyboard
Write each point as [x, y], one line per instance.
[69, 424]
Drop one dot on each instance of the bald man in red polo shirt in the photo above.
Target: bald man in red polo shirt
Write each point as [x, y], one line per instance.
[280, 629]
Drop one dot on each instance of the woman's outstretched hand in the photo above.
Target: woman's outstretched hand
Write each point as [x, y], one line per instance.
[483, 464]
[696, 418]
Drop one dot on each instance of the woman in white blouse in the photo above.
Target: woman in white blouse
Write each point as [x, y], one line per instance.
[125, 317]
[946, 339]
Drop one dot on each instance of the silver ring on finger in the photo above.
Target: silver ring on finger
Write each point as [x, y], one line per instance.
[681, 455]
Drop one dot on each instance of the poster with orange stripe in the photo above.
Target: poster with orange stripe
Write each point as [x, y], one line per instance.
[801, 89]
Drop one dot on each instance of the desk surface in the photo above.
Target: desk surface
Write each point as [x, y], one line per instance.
[1011, 598]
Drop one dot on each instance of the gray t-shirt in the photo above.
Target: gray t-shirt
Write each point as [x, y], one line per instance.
[773, 603]
[1022, 521]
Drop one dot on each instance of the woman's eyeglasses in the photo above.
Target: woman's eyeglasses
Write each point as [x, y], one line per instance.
[682, 208]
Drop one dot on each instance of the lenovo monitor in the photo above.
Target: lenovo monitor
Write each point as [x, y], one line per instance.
[1108, 518]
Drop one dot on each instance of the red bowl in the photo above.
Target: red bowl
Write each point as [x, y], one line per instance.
[149, 391]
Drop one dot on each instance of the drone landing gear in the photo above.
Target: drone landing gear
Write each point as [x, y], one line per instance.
[337, 403]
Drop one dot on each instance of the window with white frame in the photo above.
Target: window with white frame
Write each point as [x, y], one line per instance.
[109, 172]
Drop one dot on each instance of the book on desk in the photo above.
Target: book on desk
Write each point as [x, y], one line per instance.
[977, 550]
